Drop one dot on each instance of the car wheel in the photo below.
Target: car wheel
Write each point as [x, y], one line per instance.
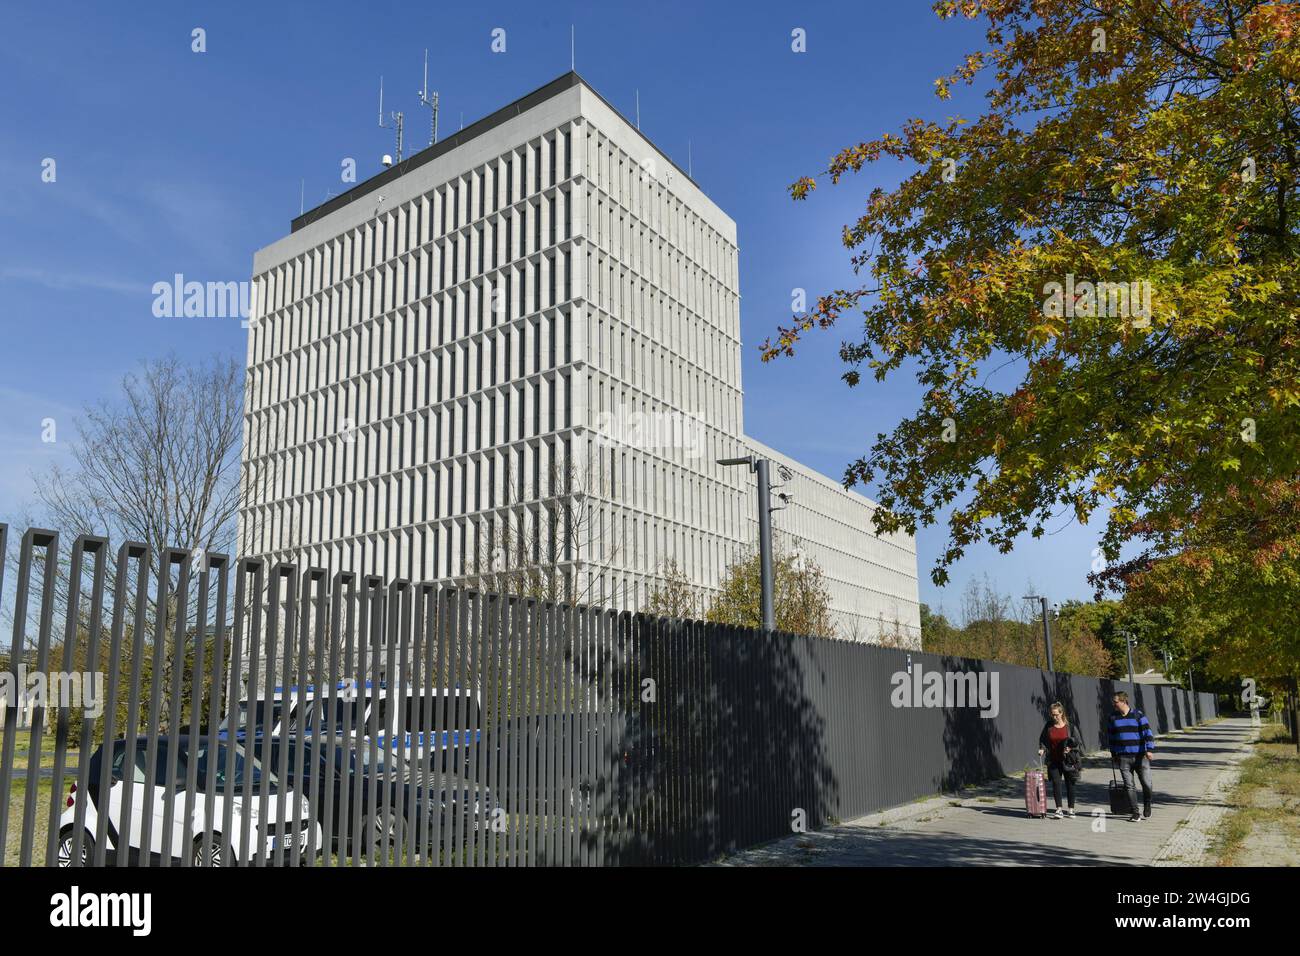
[213, 857]
[65, 848]
[383, 824]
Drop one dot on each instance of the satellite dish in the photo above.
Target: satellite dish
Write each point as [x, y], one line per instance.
[387, 160]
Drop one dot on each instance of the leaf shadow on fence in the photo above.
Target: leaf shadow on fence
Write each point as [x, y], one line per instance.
[1165, 720]
[972, 743]
[1106, 690]
[716, 742]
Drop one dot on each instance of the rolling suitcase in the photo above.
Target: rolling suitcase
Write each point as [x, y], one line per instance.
[1119, 795]
[1036, 792]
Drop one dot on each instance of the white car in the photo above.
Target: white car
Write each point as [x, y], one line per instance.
[454, 718]
[244, 792]
[259, 717]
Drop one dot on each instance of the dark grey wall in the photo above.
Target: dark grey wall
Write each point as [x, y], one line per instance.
[748, 731]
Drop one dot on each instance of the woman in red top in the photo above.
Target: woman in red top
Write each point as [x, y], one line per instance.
[1057, 740]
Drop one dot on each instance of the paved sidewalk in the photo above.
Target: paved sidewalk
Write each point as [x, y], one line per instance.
[990, 828]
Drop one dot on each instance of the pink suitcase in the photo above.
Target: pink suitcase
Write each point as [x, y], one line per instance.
[1036, 792]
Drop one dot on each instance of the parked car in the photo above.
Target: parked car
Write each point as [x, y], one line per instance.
[445, 720]
[260, 715]
[129, 765]
[422, 807]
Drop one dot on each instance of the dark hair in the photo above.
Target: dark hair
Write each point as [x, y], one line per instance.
[1121, 695]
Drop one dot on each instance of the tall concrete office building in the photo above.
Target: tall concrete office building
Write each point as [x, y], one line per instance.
[520, 346]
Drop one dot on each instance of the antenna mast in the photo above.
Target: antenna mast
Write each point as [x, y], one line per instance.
[397, 119]
[430, 100]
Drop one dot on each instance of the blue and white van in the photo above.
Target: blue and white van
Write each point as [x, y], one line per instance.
[446, 721]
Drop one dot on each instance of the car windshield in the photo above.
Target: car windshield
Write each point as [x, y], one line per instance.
[321, 712]
[245, 772]
[261, 710]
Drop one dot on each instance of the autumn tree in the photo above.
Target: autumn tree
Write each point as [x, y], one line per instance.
[1233, 579]
[1132, 153]
[1156, 629]
[997, 627]
[800, 598]
[1078, 647]
[938, 634]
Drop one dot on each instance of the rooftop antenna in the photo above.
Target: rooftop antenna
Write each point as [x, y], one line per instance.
[397, 123]
[430, 100]
[690, 167]
[573, 50]
[638, 108]
[302, 195]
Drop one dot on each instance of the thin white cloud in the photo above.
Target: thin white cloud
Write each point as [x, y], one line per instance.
[70, 280]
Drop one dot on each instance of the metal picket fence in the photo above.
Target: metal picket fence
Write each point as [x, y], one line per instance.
[316, 719]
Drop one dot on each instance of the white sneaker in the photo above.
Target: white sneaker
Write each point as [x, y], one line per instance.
[1058, 815]
[1070, 813]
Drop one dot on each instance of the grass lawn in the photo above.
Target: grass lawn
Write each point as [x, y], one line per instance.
[13, 839]
[1263, 826]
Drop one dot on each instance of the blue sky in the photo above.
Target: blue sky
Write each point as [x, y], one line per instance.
[171, 161]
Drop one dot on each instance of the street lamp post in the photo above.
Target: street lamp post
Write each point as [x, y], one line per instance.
[762, 467]
[1047, 630]
[765, 542]
[1129, 641]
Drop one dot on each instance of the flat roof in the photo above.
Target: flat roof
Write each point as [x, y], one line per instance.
[557, 86]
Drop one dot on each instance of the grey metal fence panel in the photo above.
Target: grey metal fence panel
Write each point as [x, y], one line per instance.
[371, 819]
[94, 640]
[419, 724]
[314, 623]
[180, 633]
[197, 672]
[96, 547]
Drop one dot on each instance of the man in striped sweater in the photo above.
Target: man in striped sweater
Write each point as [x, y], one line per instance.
[1131, 747]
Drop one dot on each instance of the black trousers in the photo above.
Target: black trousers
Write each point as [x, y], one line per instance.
[1056, 773]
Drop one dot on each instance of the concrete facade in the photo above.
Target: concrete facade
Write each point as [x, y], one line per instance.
[522, 345]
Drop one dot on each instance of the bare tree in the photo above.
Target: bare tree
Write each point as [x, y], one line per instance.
[551, 545]
[675, 597]
[161, 465]
[890, 633]
[158, 464]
